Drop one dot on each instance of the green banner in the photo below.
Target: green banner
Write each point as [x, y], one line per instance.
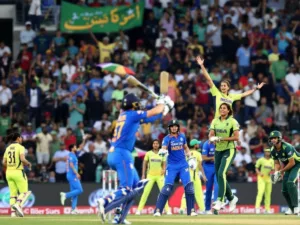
[80, 19]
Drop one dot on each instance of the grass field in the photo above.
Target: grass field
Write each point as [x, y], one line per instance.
[165, 220]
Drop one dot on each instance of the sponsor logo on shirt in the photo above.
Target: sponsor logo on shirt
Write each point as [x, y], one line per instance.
[224, 131]
[226, 100]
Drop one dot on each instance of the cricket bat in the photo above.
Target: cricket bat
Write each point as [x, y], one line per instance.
[133, 81]
[164, 82]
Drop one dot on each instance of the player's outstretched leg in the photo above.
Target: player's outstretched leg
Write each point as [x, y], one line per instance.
[190, 199]
[162, 199]
[112, 201]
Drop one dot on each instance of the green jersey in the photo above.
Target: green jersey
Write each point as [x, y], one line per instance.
[222, 98]
[224, 129]
[286, 152]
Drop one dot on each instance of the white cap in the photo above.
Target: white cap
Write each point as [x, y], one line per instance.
[28, 23]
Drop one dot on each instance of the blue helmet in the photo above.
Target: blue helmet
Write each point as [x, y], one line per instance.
[131, 101]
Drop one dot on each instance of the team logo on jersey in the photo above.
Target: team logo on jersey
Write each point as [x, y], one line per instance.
[290, 153]
[227, 124]
[131, 166]
[283, 154]
[181, 139]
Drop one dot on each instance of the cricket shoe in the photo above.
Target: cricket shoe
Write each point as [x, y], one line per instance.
[208, 212]
[194, 214]
[62, 198]
[268, 212]
[257, 210]
[117, 222]
[74, 212]
[18, 210]
[13, 214]
[101, 209]
[201, 212]
[289, 212]
[217, 205]
[157, 214]
[296, 210]
[138, 213]
[169, 213]
[232, 203]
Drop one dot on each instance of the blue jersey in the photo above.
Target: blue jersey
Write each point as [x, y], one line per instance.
[72, 159]
[175, 146]
[208, 149]
[127, 125]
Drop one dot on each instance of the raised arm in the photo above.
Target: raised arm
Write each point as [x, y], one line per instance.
[200, 62]
[94, 37]
[250, 92]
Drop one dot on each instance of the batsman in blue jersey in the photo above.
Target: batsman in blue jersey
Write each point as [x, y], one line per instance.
[120, 158]
[208, 157]
[73, 178]
[176, 148]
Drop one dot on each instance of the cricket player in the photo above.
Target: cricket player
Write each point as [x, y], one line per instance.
[224, 131]
[264, 166]
[119, 156]
[175, 145]
[195, 178]
[285, 153]
[155, 165]
[208, 157]
[222, 95]
[14, 159]
[73, 178]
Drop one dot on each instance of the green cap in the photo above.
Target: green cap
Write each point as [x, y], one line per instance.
[193, 142]
[275, 134]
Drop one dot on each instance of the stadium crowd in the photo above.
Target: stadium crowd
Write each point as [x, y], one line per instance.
[55, 95]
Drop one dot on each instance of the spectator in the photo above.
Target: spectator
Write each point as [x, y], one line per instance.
[89, 162]
[35, 14]
[77, 110]
[55, 143]
[42, 42]
[60, 159]
[29, 137]
[241, 156]
[293, 79]
[279, 69]
[100, 146]
[281, 113]
[69, 69]
[213, 33]
[5, 122]
[4, 48]
[34, 97]
[103, 124]
[243, 57]
[263, 111]
[5, 95]
[27, 36]
[118, 93]
[70, 138]
[43, 140]
[283, 38]
[251, 101]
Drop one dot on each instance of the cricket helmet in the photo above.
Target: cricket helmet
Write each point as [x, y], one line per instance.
[131, 101]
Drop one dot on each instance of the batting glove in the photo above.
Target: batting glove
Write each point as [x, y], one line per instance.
[160, 100]
[275, 177]
[214, 139]
[192, 163]
[169, 104]
[163, 152]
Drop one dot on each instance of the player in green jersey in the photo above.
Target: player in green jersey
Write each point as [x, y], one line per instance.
[285, 153]
[224, 131]
[222, 95]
